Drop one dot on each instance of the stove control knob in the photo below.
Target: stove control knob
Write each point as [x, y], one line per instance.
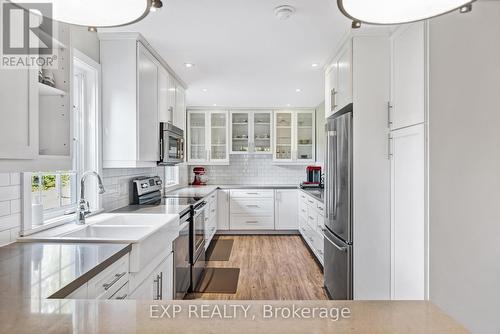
[144, 185]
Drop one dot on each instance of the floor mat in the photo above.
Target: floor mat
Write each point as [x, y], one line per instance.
[220, 250]
[219, 280]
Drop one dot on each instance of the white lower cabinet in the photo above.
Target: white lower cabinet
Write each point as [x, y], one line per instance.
[311, 223]
[210, 219]
[285, 217]
[222, 209]
[105, 284]
[251, 209]
[159, 284]
[407, 216]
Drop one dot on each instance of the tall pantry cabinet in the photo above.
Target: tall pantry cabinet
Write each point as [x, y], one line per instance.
[406, 118]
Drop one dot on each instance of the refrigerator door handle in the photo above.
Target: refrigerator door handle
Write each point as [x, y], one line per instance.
[335, 187]
[342, 249]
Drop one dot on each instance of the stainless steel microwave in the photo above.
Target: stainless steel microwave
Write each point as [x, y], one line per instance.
[171, 145]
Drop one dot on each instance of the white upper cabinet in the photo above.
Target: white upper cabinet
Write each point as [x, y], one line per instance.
[147, 88]
[164, 114]
[138, 92]
[251, 132]
[180, 107]
[338, 81]
[294, 136]
[407, 105]
[208, 137]
[19, 112]
[36, 126]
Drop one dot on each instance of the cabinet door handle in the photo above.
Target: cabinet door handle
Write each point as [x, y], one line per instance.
[122, 297]
[320, 208]
[311, 218]
[116, 278]
[252, 206]
[389, 148]
[303, 210]
[333, 99]
[389, 114]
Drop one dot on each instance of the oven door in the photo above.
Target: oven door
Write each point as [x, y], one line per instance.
[182, 267]
[198, 262]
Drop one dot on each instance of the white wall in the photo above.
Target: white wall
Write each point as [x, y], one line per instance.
[85, 41]
[464, 170]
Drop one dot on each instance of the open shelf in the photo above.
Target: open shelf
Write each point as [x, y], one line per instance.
[46, 90]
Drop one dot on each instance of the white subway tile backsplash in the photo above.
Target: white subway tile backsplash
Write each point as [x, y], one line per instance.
[4, 208]
[15, 178]
[9, 222]
[4, 237]
[254, 169]
[4, 179]
[15, 206]
[8, 193]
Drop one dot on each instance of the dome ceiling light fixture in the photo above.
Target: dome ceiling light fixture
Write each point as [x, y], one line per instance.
[96, 13]
[386, 12]
[284, 12]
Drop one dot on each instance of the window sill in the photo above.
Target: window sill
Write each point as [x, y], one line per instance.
[50, 223]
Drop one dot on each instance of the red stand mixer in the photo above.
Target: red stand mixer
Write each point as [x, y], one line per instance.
[199, 176]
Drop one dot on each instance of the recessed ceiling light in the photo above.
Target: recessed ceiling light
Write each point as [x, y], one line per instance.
[314, 65]
[298, 90]
[215, 105]
[95, 13]
[288, 105]
[188, 65]
[397, 11]
[204, 90]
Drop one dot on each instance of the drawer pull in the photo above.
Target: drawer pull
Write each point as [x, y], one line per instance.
[117, 277]
[303, 210]
[252, 206]
[311, 218]
[312, 202]
[213, 210]
[252, 193]
[122, 297]
[252, 222]
[320, 208]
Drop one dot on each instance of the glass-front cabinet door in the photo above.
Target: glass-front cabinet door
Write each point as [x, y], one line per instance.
[305, 136]
[240, 132]
[198, 150]
[219, 136]
[283, 122]
[262, 132]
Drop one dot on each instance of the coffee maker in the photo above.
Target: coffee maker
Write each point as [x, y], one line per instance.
[199, 176]
[313, 174]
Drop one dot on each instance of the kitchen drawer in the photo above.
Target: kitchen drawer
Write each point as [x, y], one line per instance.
[212, 209]
[303, 209]
[311, 202]
[213, 197]
[110, 280]
[303, 197]
[321, 207]
[257, 207]
[122, 293]
[312, 218]
[321, 223]
[242, 222]
[251, 193]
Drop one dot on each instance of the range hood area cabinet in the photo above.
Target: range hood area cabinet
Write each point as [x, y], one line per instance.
[36, 128]
[138, 92]
[208, 137]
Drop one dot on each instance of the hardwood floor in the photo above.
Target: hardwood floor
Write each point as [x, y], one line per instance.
[271, 268]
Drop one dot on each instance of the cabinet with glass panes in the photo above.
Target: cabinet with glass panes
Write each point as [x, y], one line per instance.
[251, 132]
[208, 140]
[294, 136]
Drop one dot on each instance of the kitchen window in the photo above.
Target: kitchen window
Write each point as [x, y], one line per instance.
[51, 198]
[171, 176]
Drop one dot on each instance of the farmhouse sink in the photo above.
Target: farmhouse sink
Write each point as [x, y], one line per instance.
[119, 219]
[115, 232]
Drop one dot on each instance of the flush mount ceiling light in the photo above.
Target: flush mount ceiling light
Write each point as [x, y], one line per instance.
[397, 11]
[188, 65]
[95, 13]
[284, 12]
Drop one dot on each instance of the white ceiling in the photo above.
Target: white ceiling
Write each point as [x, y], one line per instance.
[243, 55]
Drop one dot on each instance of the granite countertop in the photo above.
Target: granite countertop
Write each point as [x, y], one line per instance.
[128, 316]
[40, 270]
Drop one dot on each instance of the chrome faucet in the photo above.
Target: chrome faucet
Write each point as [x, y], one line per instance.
[84, 209]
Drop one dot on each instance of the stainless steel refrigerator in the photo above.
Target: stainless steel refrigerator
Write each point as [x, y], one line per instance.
[338, 260]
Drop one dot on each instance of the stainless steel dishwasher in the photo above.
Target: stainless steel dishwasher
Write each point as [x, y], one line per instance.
[182, 266]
